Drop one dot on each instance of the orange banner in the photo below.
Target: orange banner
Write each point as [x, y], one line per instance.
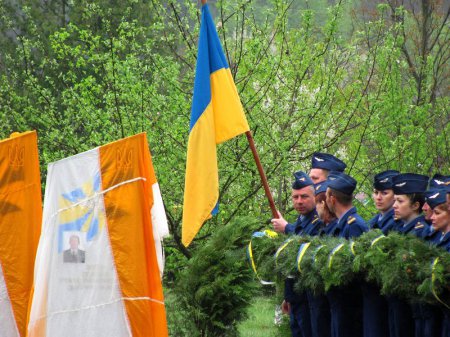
[20, 220]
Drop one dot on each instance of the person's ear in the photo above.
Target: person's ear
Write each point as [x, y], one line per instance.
[415, 206]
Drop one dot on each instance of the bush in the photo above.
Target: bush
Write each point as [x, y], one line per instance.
[217, 283]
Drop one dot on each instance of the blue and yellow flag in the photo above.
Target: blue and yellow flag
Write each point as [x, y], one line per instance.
[217, 115]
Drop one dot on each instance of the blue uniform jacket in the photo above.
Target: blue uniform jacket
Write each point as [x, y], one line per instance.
[438, 238]
[308, 224]
[418, 227]
[328, 229]
[386, 223]
[444, 241]
[350, 225]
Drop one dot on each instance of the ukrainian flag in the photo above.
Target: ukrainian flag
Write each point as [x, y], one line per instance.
[217, 115]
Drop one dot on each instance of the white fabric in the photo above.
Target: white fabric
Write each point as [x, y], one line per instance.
[160, 226]
[8, 327]
[83, 298]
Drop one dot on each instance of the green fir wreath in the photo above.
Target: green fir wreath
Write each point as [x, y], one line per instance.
[401, 265]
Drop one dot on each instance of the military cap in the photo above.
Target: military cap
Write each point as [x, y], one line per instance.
[343, 183]
[383, 180]
[321, 187]
[408, 183]
[435, 197]
[301, 180]
[439, 181]
[333, 175]
[327, 162]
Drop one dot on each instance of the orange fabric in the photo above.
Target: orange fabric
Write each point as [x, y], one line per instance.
[130, 231]
[20, 219]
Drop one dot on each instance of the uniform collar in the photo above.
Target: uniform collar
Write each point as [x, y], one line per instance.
[445, 237]
[308, 217]
[388, 214]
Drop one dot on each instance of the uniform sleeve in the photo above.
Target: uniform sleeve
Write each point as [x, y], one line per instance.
[289, 229]
[355, 230]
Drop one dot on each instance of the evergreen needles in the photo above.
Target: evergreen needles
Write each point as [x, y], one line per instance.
[400, 265]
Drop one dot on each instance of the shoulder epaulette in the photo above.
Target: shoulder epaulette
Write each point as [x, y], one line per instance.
[419, 226]
[351, 220]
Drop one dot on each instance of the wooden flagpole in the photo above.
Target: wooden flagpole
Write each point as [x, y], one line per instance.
[262, 174]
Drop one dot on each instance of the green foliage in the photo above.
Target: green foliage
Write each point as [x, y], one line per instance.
[363, 256]
[402, 265]
[435, 282]
[263, 249]
[336, 269]
[217, 284]
[309, 276]
[286, 256]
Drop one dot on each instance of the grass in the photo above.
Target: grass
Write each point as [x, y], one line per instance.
[260, 321]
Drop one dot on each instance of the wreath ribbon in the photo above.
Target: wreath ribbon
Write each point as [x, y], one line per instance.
[301, 252]
[267, 233]
[378, 238]
[433, 280]
[333, 252]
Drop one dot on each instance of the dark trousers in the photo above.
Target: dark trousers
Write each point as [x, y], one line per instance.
[346, 310]
[300, 320]
[319, 310]
[446, 323]
[401, 323]
[427, 320]
[375, 312]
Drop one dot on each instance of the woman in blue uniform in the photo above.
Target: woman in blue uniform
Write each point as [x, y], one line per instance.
[409, 190]
[375, 306]
[440, 220]
[409, 199]
[383, 196]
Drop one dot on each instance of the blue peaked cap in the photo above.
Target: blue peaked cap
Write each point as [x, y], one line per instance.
[383, 180]
[435, 197]
[327, 162]
[301, 180]
[408, 183]
[343, 183]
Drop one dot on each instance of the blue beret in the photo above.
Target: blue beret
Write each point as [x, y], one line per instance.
[383, 180]
[301, 180]
[435, 197]
[343, 183]
[327, 162]
[408, 183]
[439, 181]
[321, 187]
